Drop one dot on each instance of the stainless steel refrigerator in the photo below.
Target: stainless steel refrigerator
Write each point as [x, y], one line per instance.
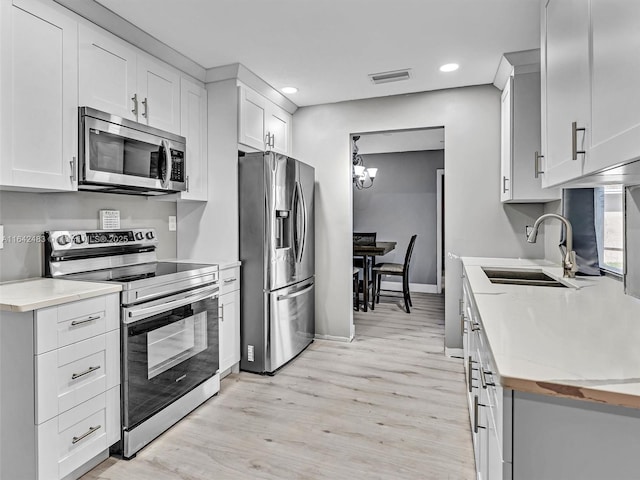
[277, 254]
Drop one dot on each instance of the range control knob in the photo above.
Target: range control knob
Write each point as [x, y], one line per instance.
[78, 239]
[64, 240]
[139, 236]
[150, 236]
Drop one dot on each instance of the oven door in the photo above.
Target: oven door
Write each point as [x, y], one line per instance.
[169, 347]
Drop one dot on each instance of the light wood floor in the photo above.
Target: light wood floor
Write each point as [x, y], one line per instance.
[388, 405]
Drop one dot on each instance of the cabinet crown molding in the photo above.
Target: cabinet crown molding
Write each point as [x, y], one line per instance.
[525, 61]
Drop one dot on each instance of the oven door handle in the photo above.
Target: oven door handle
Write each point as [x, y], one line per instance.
[136, 313]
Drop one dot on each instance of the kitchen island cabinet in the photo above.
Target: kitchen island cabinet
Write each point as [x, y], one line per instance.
[59, 378]
[551, 378]
[39, 97]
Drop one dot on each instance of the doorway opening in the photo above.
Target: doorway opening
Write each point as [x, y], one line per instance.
[405, 197]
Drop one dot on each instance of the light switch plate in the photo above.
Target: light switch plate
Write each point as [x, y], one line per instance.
[172, 223]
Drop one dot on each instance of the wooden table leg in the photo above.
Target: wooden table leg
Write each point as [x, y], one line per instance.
[365, 283]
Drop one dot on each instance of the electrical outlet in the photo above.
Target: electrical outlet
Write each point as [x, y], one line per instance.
[172, 223]
[250, 355]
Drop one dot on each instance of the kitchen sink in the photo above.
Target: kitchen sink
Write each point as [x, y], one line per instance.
[536, 278]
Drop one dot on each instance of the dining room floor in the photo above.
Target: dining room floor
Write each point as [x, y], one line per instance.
[388, 405]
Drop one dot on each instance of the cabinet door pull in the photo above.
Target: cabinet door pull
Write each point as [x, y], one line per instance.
[504, 184]
[483, 378]
[86, 372]
[229, 280]
[74, 171]
[574, 141]
[267, 141]
[187, 183]
[135, 104]
[475, 414]
[536, 164]
[86, 434]
[86, 320]
[145, 114]
[221, 312]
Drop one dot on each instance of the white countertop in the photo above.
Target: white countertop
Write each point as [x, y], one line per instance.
[34, 293]
[572, 342]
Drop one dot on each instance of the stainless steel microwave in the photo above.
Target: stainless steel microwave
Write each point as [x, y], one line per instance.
[122, 156]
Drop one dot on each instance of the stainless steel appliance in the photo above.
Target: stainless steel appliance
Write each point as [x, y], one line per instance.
[121, 156]
[169, 324]
[277, 254]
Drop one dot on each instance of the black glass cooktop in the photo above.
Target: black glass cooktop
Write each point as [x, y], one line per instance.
[139, 272]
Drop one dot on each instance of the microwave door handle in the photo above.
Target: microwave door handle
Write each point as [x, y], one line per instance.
[167, 163]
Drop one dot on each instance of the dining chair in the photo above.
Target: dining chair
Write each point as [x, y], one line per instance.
[365, 238]
[397, 269]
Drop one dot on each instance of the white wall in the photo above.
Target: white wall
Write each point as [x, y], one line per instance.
[477, 224]
[26, 216]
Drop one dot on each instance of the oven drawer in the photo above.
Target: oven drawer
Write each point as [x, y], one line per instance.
[78, 435]
[71, 375]
[229, 280]
[72, 322]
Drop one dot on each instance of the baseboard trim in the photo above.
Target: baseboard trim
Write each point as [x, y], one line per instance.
[332, 338]
[453, 352]
[413, 287]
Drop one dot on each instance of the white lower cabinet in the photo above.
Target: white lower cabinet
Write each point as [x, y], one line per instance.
[525, 436]
[229, 323]
[60, 384]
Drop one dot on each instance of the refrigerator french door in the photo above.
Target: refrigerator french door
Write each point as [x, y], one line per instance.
[277, 252]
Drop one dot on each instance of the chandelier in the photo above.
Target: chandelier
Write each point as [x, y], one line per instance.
[362, 176]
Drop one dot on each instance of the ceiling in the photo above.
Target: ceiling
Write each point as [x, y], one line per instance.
[327, 48]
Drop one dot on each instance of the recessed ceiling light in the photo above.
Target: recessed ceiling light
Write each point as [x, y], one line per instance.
[289, 90]
[449, 67]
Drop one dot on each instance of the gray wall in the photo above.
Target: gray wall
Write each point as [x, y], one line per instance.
[30, 214]
[401, 203]
[476, 223]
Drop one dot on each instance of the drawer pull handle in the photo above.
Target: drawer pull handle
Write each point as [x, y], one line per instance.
[86, 372]
[86, 434]
[483, 378]
[475, 414]
[229, 280]
[86, 320]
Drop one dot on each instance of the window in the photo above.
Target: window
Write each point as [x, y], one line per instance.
[612, 229]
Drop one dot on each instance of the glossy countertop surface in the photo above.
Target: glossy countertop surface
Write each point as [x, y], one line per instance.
[579, 342]
[35, 293]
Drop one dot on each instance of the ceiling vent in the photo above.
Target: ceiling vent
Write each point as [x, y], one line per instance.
[387, 77]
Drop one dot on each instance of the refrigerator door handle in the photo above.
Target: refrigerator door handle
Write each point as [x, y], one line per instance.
[299, 236]
[295, 294]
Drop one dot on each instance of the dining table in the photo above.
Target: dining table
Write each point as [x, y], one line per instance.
[370, 250]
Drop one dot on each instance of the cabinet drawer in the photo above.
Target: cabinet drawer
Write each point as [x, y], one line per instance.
[72, 322]
[74, 374]
[229, 280]
[79, 435]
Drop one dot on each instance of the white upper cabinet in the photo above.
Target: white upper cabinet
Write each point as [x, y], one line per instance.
[591, 99]
[158, 94]
[117, 78]
[193, 106]
[262, 125]
[107, 73]
[565, 67]
[39, 96]
[615, 83]
[522, 165]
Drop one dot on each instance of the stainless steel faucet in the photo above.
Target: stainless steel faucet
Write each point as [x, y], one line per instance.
[569, 265]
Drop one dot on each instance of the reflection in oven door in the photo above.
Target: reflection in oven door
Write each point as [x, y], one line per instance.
[166, 355]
